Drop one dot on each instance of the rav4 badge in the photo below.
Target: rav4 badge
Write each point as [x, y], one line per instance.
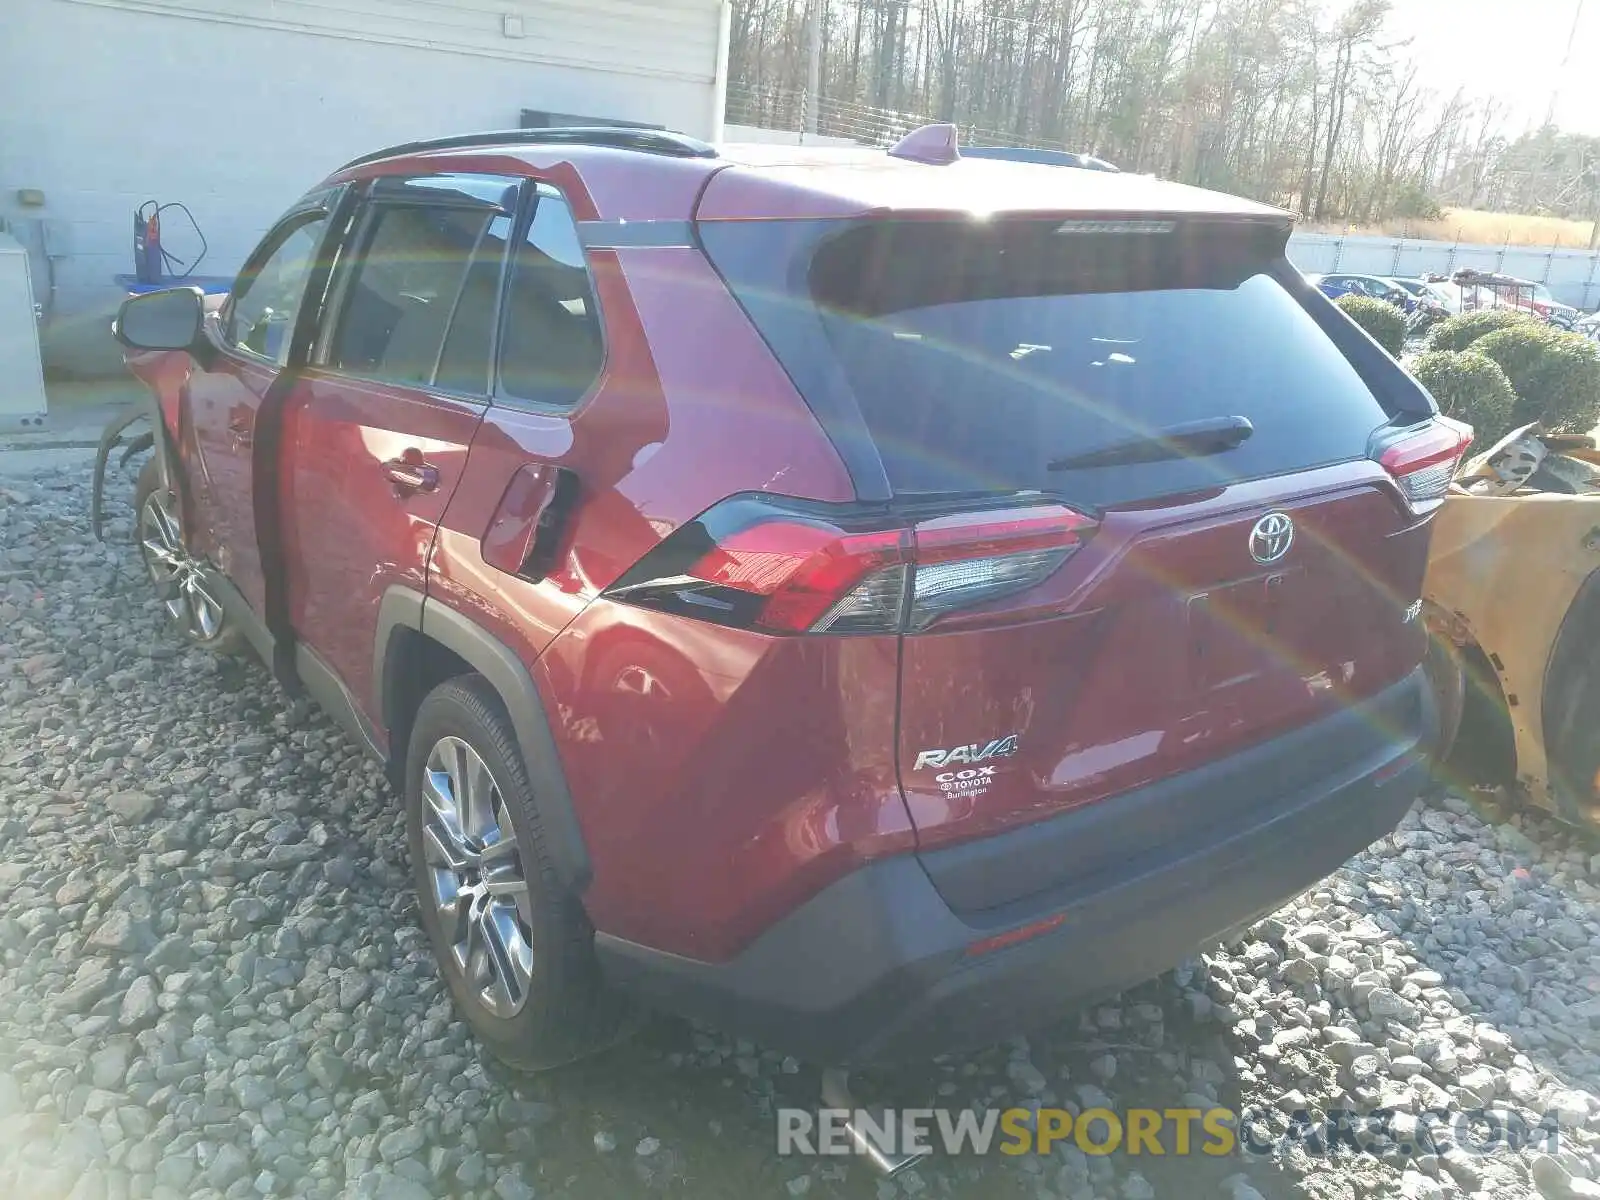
[976, 753]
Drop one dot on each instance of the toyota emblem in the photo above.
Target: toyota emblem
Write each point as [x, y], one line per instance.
[1271, 538]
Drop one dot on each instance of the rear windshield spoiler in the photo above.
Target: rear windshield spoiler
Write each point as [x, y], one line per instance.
[1071, 220]
[932, 260]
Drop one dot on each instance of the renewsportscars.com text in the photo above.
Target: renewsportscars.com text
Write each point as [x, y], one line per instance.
[1177, 1132]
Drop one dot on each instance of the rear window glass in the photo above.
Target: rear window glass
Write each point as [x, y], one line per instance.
[979, 357]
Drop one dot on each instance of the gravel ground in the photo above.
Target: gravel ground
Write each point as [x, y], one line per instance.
[213, 982]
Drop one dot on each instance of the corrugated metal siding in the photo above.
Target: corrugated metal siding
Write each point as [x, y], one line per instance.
[675, 39]
[238, 108]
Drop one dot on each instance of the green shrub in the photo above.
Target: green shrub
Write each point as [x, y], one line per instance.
[1459, 332]
[1555, 374]
[1470, 388]
[1385, 322]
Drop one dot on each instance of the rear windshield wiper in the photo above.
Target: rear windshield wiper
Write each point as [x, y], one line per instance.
[1193, 439]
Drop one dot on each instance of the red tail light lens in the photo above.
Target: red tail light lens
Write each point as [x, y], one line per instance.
[1424, 461]
[758, 564]
[804, 572]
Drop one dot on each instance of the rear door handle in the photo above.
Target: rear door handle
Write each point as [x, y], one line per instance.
[411, 474]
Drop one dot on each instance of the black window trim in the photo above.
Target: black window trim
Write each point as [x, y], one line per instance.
[1401, 396]
[494, 318]
[499, 397]
[321, 205]
[388, 192]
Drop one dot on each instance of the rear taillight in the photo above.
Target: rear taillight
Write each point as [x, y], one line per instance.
[762, 564]
[972, 558]
[795, 576]
[1423, 461]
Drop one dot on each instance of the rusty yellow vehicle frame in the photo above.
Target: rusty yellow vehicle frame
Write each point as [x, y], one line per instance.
[1512, 598]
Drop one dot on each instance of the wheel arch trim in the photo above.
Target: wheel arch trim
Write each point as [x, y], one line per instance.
[404, 609]
[147, 407]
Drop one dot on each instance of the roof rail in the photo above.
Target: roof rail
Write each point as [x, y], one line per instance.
[645, 141]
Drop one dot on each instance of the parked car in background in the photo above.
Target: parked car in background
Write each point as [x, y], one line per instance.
[1422, 308]
[1564, 316]
[1423, 289]
[1426, 306]
[1487, 289]
[1375, 286]
[700, 542]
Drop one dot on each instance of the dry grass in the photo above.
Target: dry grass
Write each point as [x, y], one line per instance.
[1483, 228]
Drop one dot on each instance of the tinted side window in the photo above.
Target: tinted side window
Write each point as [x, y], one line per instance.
[551, 347]
[464, 362]
[408, 275]
[262, 311]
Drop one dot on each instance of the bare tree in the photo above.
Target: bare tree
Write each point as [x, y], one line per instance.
[1298, 102]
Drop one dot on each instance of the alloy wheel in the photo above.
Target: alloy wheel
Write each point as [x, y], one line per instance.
[479, 887]
[178, 576]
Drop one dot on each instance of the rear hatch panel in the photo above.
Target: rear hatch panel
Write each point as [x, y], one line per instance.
[970, 358]
[1161, 647]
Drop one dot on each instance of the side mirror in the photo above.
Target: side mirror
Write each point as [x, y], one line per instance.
[164, 320]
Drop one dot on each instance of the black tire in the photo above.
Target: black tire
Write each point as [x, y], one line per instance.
[566, 1012]
[183, 610]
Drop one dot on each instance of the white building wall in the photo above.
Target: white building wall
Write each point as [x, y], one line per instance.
[235, 107]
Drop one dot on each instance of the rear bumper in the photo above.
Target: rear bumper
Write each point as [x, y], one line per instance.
[876, 965]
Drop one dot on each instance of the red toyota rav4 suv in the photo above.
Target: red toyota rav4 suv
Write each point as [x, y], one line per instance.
[868, 600]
